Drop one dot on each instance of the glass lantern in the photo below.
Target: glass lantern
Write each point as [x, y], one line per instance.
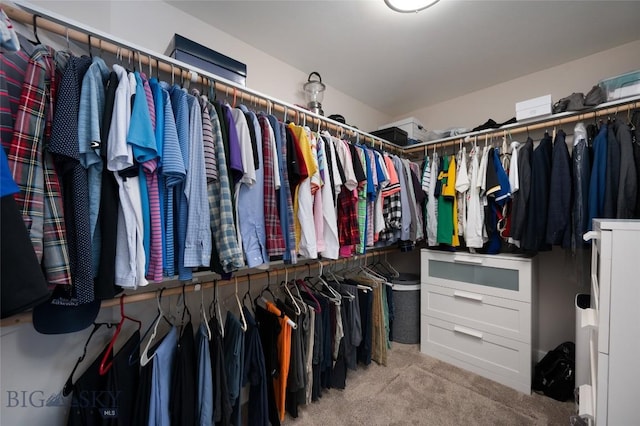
[314, 93]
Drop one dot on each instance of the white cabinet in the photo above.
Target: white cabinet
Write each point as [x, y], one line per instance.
[611, 397]
[476, 313]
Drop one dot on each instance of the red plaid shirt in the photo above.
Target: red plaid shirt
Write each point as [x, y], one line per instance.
[348, 230]
[275, 240]
[40, 197]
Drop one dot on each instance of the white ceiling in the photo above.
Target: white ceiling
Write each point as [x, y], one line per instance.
[397, 63]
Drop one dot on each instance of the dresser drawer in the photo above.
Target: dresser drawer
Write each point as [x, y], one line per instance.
[502, 317]
[503, 360]
[503, 276]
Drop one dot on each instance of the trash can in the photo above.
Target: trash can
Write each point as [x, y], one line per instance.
[405, 327]
[583, 301]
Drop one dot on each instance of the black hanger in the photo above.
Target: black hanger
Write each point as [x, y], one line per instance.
[186, 310]
[267, 289]
[35, 27]
[68, 385]
[247, 295]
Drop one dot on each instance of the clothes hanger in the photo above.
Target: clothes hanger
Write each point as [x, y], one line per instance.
[247, 295]
[267, 289]
[145, 358]
[217, 312]
[244, 320]
[35, 29]
[182, 309]
[104, 366]
[332, 294]
[203, 314]
[338, 283]
[68, 385]
[318, 307]
[285, 285]
[299, 298]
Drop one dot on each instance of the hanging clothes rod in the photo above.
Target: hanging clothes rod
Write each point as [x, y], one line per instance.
[609, 108]
[44, 20]
[198, 284]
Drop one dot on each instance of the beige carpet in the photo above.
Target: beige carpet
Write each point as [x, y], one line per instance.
[415, 389]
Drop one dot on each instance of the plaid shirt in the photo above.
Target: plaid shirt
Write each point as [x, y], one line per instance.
[285, 196]
[219, 191]
[275, 240]
[40, 197]
[348, 230]
[392, 212]
[12, 68]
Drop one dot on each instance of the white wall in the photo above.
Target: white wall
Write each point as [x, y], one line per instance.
[265, 73]
[498, 102]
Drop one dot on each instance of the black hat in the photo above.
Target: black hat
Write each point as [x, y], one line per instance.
[62, 314]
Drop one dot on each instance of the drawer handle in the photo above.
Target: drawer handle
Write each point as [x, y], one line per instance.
[470, 296]
[468, 261]
[591, 235]
[467, 331]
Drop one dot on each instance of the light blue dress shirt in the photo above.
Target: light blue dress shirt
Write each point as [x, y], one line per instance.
[251, 206]
[161, 380]
[205, 379]
[92, 98]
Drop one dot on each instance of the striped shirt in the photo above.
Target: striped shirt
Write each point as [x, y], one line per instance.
[173, 173]
[150, 169]
[181, 115]
[210, 161]
[198, 238]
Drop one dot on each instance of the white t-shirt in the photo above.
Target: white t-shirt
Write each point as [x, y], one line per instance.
[473, 232]
[130, 255]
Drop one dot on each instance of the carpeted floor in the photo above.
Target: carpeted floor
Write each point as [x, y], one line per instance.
[415, 389]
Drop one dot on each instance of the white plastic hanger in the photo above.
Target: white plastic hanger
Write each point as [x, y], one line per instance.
[244, 320]
[203, 313]
[297, 309]
[145, 358]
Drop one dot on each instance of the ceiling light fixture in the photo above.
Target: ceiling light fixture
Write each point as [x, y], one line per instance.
[410, 6]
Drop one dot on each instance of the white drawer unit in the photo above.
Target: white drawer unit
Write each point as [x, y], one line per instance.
[613, 321]
[476, 313]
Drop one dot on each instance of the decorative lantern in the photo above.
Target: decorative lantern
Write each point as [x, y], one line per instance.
[314, 93]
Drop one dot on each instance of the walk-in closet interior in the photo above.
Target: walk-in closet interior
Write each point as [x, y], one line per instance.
[194, 243]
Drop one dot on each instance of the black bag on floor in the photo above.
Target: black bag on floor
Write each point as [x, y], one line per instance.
[554, 375]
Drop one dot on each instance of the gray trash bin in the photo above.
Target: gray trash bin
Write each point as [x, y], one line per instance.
[583, 375]
[406, 302]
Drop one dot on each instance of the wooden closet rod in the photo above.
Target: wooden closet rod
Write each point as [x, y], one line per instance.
[608, 109]
[196, 284]
[182, 71]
